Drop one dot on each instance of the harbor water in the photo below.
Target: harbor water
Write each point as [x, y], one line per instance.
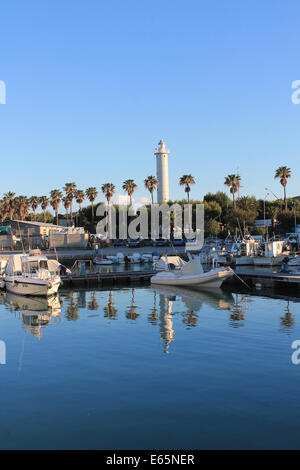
[145, 368]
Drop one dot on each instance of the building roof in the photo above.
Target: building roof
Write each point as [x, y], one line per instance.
[37, 224]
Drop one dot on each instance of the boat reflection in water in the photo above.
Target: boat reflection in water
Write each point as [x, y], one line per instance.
[193, 301]
[36, 312]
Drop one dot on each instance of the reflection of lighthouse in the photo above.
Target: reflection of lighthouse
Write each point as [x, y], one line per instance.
[166, 324]
[162, 172]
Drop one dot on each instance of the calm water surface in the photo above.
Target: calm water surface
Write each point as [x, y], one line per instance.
[145, 368]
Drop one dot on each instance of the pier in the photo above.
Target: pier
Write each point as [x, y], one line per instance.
[264, 279]
[107, 278]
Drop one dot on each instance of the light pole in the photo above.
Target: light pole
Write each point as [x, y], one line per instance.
[265, 214]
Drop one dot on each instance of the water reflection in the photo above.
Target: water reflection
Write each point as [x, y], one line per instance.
[131, 311]
[110, 310]
[287, 321]
[165, 321]
[158, 306]
[238, 309]
[36, 312]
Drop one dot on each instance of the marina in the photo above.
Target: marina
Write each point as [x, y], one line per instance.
[149, 229]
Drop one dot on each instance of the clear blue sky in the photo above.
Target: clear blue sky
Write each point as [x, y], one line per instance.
[93, 85]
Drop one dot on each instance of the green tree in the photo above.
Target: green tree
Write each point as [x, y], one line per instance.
[151, 183]
[44, 201]
[187, 181]
[70, 190]
[283, 173]
[56, 197]
[129, 186]
[92, 194]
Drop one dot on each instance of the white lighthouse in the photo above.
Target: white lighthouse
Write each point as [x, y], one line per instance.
[162, 172]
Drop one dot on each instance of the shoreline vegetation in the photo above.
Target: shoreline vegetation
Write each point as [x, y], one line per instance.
[223, 215]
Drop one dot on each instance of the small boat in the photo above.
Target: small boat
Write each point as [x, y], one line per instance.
[135, 258]
[102, 261]
[29, 274]
[147, 258]
[191, 274]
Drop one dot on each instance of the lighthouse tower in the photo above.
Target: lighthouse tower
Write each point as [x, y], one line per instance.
[162, 172]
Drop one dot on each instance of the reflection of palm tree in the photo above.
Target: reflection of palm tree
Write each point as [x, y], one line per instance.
[93, 304]
[72, 309]
[237, 311]
[131, 313]
[190, 318]
[109, 310]
[288, 320]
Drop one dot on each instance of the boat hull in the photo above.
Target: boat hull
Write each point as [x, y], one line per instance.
[211, 279]
[23, 287]
[268, 261]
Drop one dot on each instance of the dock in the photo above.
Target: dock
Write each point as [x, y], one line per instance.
[268, 280]
[107, 278]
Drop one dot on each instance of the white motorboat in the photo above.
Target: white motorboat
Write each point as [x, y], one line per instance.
[29, 274]
[274, 254]
[191, 275]
[102, 261]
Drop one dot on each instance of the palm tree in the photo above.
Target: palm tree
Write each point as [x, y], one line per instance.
[70, 190]
[56, 196]
[79, 196]
[151, 184]
[3, 210]
[129, 186]
[34, 201]
[233, 182]
[92, 194]
[283, 173]
[108, 190]
[187, 181]
[67, 204]
[44, 201]
[23, 206]
[10, 204]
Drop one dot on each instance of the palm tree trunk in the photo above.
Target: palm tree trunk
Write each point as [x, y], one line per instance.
[44, 215]
[152, 197]
[57, 217]
[284, 196]
[233, 200]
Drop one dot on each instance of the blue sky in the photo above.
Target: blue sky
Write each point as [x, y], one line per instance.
[92, 87]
